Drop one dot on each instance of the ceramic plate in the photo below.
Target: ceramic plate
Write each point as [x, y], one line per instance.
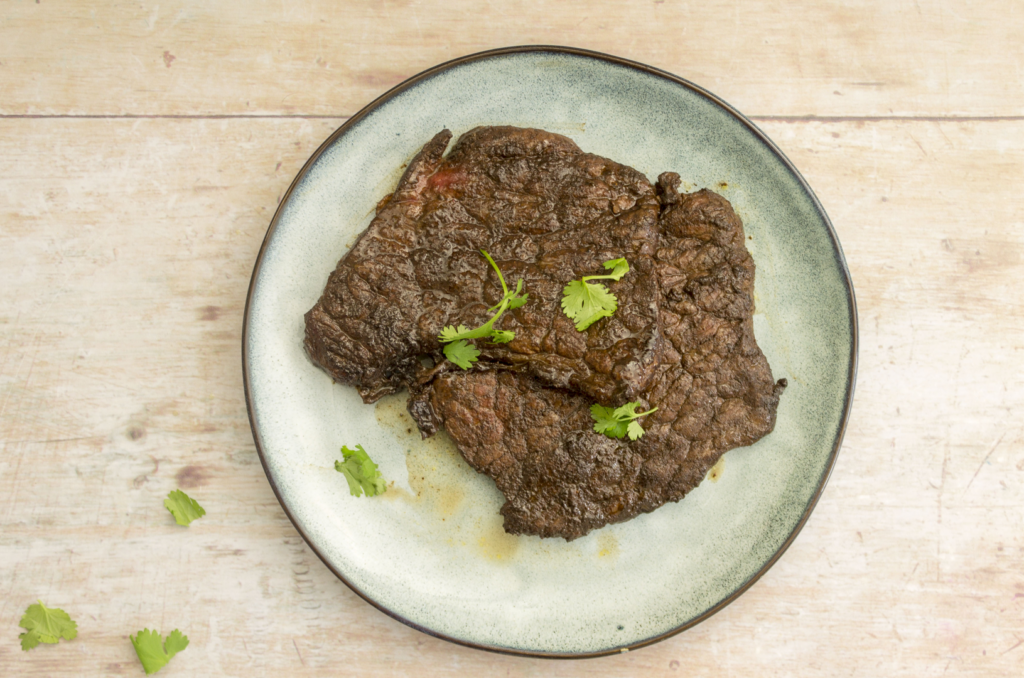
[431, 552]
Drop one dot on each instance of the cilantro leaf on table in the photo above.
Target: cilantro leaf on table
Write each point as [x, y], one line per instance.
[620, 422]
[184, 508]
[457, 349]
[585, 303]
[154, 652]
[360, 472]
[45, 625]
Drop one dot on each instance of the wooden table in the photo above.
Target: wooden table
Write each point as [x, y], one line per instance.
[143, 150]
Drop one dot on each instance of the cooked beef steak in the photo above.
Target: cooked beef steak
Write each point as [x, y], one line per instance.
[713, 389]
[547, 213]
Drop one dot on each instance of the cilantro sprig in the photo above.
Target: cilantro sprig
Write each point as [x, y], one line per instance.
[154, 652]
[360, 472]
[457, 347]
[619, 422]
[45, 625]
[585, 303]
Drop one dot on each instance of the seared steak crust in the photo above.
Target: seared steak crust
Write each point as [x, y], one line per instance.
[712, 386]
[547, 213]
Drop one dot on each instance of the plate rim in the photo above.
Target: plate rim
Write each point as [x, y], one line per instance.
[840, 260]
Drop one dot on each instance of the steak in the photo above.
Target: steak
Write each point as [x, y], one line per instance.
[547, 213]
[712, 386]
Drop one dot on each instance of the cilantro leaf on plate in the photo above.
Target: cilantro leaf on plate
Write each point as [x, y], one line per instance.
[45, 625]
[360, 472]
[585, 303]
[184, 508]
[154, 652]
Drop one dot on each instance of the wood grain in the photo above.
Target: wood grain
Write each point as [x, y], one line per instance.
[126, 247]
[317, 57]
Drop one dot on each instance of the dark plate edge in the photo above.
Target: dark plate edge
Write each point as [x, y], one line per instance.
[840, 261]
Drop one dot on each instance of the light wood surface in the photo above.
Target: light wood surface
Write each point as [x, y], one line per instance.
[143, 151]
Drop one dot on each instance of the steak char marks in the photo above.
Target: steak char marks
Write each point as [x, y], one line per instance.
[547, 213]
[713, 389]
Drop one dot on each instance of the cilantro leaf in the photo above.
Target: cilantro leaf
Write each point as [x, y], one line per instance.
[360, 472]
[462, 353]
[619, 268]
[45, 625]
[604, 420]
[153, 652]
[502, 336]
[629, 409]
[515, 300]
[184, 508]
[450, 333]
[620, 422]
[585, 303]
[634, 430]
[149, 647]
[29, 639]
[175, 643]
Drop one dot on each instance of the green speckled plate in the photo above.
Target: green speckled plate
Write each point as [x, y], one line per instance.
[431, 552]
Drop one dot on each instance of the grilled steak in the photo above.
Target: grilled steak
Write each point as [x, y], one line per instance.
[712, 386]
[547, 213]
